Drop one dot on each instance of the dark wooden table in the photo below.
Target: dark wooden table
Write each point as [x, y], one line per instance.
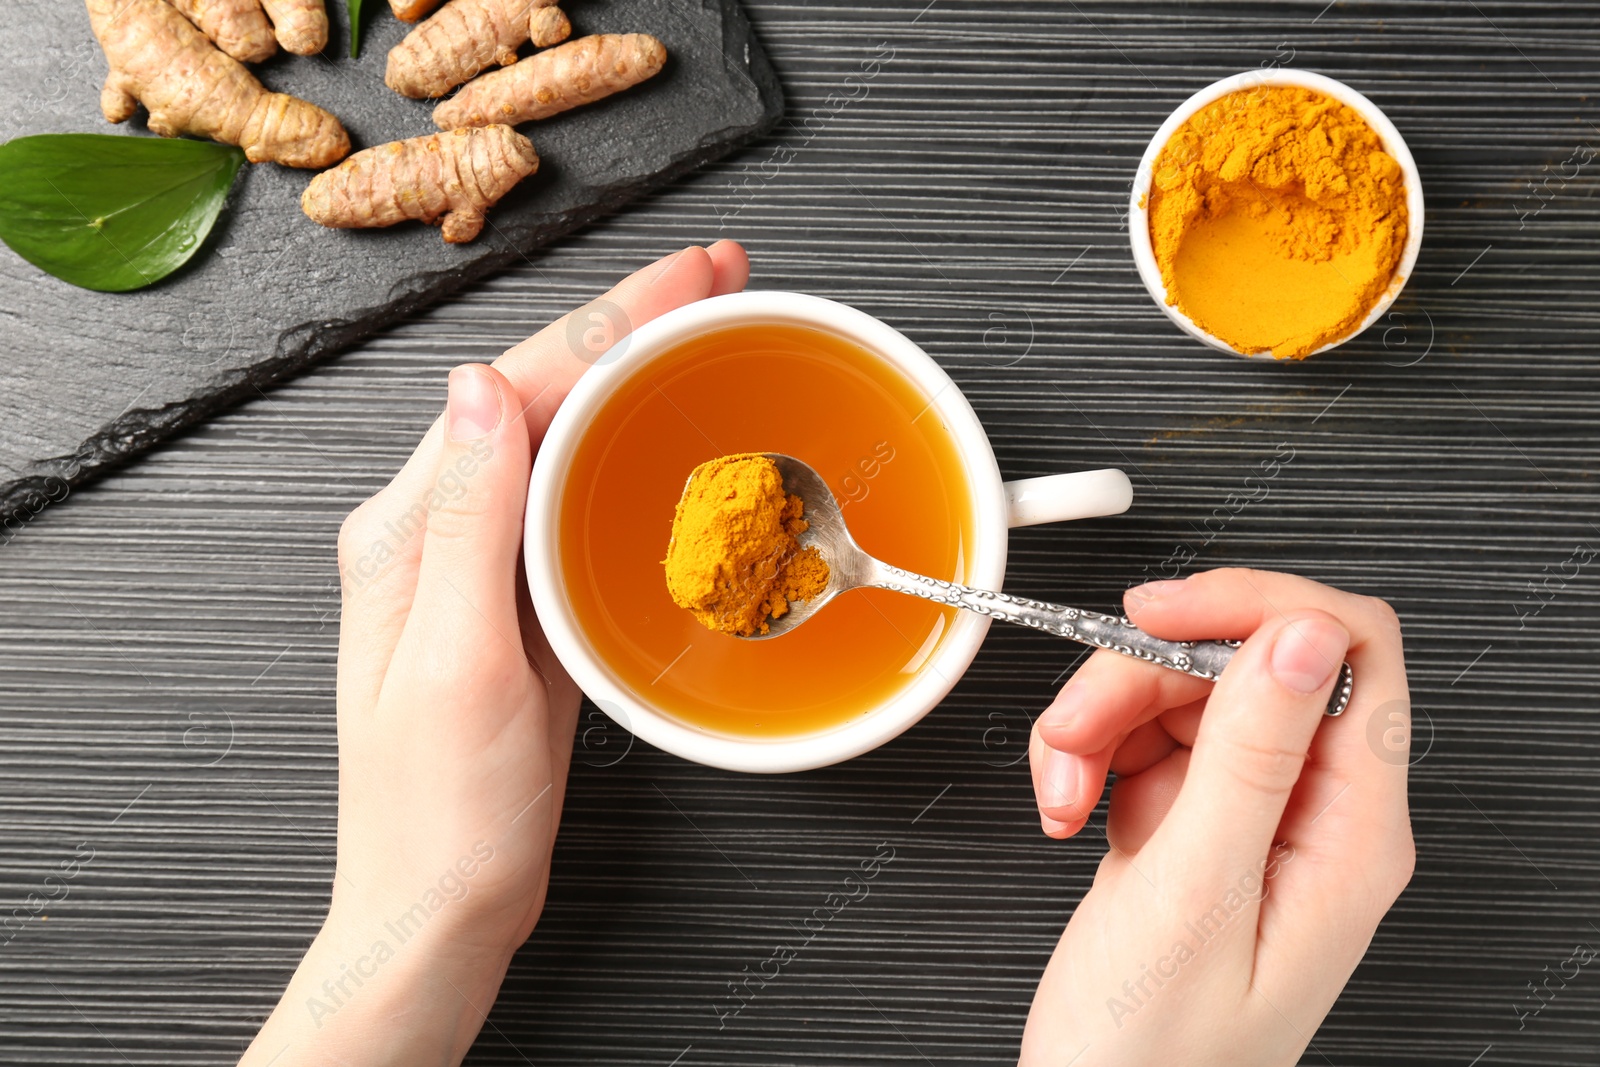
[167, 651]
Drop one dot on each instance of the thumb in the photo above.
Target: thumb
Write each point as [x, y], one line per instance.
[467, 576]
[1251, 745]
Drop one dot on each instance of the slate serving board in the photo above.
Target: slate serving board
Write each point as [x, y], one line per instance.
[92, 378]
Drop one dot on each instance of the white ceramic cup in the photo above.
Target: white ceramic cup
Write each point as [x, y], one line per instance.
[1138, 210]
[997, 506]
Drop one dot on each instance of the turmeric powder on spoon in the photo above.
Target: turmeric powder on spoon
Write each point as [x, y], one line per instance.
[735, 560]
[1277, 220]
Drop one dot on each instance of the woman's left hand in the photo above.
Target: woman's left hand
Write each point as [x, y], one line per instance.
[455, 721]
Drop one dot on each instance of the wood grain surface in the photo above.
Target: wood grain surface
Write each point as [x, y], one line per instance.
[168, 637]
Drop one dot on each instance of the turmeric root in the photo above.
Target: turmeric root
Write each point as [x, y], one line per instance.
[548, 26]
[457, 175]
[411, 10]
[160, 60]
[239, 27]
[545, 84]
[463, 38]
[301, 25]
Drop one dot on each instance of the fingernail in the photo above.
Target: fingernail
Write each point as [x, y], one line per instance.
[1307, 654]
[1156, 590]
[1051, 826]
[474, 404]
[1059, 782]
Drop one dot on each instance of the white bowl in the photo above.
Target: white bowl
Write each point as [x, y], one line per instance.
[996, 506]
[1395, 145]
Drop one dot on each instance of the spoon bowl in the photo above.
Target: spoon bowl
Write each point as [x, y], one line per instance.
[827, 533]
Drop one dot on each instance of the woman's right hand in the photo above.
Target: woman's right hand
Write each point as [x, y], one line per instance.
[1254, 842]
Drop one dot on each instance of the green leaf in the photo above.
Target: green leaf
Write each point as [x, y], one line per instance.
[353, 10]
[110, 212]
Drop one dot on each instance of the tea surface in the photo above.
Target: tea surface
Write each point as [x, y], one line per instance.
[890, 462]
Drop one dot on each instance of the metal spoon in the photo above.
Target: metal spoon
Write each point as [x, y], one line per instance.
[851, 568]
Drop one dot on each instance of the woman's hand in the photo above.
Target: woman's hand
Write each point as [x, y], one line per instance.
[1255, 844]
[455, 721]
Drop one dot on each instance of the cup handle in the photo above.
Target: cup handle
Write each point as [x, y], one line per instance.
[1059, 497]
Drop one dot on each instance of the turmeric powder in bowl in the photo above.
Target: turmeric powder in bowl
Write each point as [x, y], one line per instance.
[1277, 220]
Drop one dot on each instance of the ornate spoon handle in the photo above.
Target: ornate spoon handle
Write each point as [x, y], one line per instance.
[1203, 659]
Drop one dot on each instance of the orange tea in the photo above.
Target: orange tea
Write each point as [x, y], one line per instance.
[890, 461]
